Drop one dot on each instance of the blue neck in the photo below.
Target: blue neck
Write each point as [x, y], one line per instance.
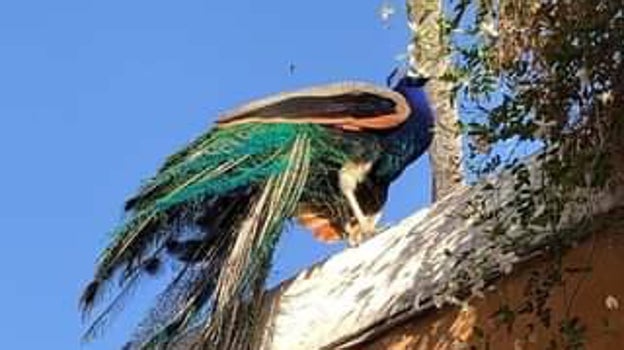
[419, 103]
[410, 140]
[418, 129]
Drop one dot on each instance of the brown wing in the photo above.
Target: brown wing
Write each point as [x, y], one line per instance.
[349, 106]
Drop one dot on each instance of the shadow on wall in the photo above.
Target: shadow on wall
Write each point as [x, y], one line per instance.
[530, 310]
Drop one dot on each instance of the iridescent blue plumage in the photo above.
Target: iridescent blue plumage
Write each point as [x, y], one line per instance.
[409, 141]
[323, 156]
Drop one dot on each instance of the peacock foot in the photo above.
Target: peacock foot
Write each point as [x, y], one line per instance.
[357, 232]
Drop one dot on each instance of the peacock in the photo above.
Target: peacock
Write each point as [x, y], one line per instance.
[323, 157]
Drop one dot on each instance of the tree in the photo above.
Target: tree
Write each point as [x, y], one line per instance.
[541, 75]
[429, 55]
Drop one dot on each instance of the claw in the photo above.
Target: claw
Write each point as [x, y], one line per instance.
[358, 233]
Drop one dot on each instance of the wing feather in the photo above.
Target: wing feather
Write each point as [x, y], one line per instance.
[350, 106]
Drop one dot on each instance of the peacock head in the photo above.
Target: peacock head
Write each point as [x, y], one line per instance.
[410, 85]
[406, 81]
[404, 77]
[411, 82]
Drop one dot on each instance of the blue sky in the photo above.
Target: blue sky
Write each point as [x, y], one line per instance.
[94, 95]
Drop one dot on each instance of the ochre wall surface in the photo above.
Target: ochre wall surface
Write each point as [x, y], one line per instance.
[592, 292]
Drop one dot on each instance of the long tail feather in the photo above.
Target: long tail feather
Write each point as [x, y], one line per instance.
[233, 191]
[230, 159]
[241, 281]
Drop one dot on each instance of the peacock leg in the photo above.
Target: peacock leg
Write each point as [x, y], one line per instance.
[351, 175]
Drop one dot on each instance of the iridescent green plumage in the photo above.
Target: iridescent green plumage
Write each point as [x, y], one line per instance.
[254, 161]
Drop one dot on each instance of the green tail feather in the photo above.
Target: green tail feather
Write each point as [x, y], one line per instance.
[265, 166]
[240, 284]
[252, 152]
